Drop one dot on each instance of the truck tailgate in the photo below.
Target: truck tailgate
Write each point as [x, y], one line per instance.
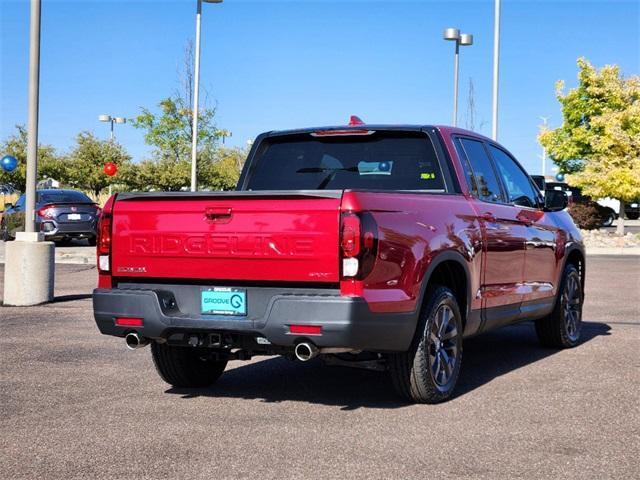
[265, 236]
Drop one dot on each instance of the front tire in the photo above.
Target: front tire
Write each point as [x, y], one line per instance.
[608, 218]
[429, 371]
[562, 328]
[186, 367]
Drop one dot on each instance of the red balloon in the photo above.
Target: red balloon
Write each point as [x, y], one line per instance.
[110, 168]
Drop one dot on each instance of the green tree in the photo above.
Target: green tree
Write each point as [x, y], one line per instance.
[162, 174]
[598, 144]
[223, 170]
[169, 131]
[85, 164]
[49, 164]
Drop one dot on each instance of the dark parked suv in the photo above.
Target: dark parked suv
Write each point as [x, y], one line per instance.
[60, 214]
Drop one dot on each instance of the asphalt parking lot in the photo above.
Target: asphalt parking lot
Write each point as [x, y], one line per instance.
[75, 404]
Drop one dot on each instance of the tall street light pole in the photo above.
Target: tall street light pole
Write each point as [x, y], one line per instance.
[496, 67]
[32, 126]
[29, 269]
[112, 120]
[463, 39]
[196, 91]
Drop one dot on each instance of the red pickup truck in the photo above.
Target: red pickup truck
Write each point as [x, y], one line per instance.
[359, 241]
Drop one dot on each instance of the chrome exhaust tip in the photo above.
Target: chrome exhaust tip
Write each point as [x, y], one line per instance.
[135, 341]
[306, 351]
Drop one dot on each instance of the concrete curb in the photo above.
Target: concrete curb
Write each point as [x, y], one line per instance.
[627, 251]
[63, 259]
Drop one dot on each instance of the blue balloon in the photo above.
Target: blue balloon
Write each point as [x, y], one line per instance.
[9, 163]
[560, 177]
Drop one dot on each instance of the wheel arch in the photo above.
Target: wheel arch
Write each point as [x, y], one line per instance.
[575, 256]
[447, 269]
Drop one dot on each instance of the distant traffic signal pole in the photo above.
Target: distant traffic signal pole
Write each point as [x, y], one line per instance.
[463, 39]
[196, 90]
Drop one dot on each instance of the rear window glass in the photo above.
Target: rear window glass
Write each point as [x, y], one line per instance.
[381, 161]
[63, 197]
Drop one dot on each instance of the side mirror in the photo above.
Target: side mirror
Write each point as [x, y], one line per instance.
[555, 200]
[8, 205]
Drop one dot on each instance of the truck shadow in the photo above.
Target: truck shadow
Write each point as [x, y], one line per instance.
[279, 380]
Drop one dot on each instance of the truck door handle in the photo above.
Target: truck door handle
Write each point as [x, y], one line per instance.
[488, 217]
[218, 214]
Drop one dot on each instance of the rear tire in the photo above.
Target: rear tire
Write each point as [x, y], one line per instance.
[428, 372]
[186, 367]
[633, 215]
[561, 329]
[93, 241]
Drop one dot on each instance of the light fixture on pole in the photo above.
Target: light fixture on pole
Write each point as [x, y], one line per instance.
[196, 90]
[112, 120]
[461, 39]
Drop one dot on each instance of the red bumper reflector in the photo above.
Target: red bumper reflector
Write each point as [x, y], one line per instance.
[305, 329]
[129, 322]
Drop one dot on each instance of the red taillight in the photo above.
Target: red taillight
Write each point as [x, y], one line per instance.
[358, 242]
[104, 234]
[129, 322]
[350, 235]
[47, 211]
[305, 329]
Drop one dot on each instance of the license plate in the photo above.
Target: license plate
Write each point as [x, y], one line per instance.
[634, 205]
[223, 301]
[74, 216]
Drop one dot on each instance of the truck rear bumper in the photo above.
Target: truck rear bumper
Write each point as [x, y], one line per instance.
[347, 322]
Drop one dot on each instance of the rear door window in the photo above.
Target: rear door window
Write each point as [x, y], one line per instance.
[484, 181]
[381, 160]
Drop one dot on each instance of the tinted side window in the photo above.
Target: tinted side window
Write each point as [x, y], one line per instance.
[517, 182]
[468, 173]
[487, 185]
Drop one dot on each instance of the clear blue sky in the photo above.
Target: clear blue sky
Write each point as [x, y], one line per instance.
[274, 65]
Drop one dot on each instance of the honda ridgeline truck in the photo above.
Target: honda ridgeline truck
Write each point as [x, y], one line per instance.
[354, 242]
